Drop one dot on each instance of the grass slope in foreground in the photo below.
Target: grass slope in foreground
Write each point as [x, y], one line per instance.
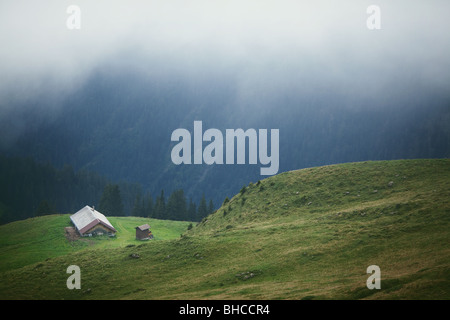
[306, 234]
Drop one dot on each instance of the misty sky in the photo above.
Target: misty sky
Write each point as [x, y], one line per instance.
[274, 46]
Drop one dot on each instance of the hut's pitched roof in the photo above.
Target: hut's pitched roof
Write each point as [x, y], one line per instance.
[143, 227]
[88, 217]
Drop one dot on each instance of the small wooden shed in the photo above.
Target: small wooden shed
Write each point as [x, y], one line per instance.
[143, 232]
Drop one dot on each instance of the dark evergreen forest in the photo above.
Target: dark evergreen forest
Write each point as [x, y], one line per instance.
[29, 189]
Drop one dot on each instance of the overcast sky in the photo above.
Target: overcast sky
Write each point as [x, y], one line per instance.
[297, 44]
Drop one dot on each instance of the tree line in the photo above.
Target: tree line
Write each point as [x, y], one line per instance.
[29, 189]
[174, 207]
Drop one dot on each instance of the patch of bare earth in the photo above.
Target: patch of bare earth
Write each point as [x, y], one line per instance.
[71, 233]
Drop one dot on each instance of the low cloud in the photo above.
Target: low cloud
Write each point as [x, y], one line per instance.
[265, 46]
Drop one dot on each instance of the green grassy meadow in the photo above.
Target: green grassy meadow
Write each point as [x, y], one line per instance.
[37, 239]
[305, 234]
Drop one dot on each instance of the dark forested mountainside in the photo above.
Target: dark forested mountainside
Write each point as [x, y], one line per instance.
[29, 189]
[120, 127]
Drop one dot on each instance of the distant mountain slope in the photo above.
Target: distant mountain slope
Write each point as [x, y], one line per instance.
[119, 124]
[306, 234]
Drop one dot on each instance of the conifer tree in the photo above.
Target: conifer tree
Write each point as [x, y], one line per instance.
[176, 206]
[149, 210]
[138, 207]
[111, 201]
[44, 208]
[192, 211]
[202, 209]
[160, 206]
[210, 207]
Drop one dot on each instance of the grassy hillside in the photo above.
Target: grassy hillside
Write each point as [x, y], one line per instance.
[37, 239]
[306, 234]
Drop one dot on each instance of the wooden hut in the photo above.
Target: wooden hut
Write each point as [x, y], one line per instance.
[89, 222]
[143, 232]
